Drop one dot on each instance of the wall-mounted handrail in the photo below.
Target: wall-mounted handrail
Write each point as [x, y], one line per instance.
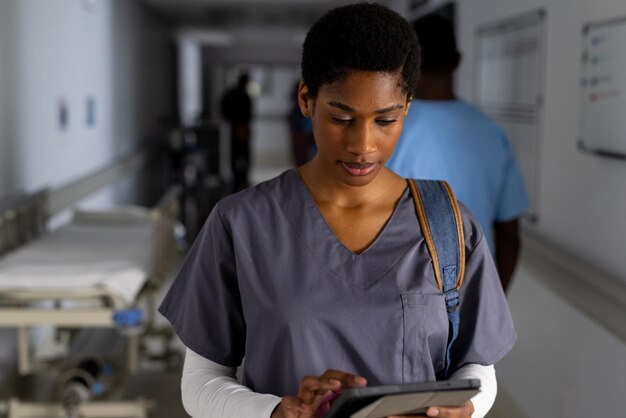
[588, 288]
[66, 196]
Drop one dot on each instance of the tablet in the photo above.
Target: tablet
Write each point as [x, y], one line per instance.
[413, 398]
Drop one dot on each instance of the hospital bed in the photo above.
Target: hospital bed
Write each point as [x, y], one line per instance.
[100, 272]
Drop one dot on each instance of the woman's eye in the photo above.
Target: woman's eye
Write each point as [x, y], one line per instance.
[342, 121]
[385, 122]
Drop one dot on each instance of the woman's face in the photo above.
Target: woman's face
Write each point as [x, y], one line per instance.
[356, 123]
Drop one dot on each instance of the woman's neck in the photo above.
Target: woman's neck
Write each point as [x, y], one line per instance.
[327, 189]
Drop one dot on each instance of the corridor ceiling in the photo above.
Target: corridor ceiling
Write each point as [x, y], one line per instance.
[228, 14]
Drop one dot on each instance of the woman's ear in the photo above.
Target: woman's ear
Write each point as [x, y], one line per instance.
[409, 100]
[305, 101]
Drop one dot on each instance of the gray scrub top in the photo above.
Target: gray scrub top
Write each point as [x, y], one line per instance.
[267, 279]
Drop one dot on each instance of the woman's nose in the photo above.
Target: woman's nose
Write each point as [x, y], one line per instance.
[362, 139]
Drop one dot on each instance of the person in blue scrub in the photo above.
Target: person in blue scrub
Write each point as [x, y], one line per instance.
[444, 137]
[320, 278]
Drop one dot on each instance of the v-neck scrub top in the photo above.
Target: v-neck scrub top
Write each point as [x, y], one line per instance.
[268, 279]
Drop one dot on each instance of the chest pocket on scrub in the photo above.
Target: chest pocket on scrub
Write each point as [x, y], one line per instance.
[425, 336]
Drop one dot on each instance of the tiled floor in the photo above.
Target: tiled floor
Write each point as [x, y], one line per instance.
[163, 389]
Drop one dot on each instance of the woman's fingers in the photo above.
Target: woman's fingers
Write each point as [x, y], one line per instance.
[326, 403]
[347, 379]
[289, 407]
[293, 407]
[463, 411]
[317, 392]
[312, 387]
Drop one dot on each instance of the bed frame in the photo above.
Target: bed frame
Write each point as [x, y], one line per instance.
[22, 219]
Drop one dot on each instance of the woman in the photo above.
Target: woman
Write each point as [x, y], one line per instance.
[321, 277]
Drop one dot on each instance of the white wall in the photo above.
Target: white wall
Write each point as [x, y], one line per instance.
[565, 364]
[67, 50]
[7, 137]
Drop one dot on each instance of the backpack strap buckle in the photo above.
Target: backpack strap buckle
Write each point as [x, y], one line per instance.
[452, 300]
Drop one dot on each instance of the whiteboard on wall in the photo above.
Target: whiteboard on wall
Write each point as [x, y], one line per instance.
[602, 87]
[510, 56]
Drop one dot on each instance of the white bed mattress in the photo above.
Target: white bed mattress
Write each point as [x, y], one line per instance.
[80, 256]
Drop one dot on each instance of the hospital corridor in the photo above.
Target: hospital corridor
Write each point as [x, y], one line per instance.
[123, 124]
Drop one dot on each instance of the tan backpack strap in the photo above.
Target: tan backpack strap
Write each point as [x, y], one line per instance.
[459, 231]
[428, 237]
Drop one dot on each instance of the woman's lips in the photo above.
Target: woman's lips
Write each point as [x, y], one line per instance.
[358, 169]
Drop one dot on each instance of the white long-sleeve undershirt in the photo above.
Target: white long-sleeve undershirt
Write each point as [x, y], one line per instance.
[211, 390]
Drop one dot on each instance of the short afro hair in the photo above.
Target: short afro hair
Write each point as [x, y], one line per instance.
[436, 37]
[362, 37]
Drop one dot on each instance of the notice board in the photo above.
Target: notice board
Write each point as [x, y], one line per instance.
[602, 89]
[510, 57]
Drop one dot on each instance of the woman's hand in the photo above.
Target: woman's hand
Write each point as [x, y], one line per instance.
[316, 394]
[464, 411]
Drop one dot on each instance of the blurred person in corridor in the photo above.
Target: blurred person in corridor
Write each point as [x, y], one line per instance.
[300, 131]
[236, 106]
